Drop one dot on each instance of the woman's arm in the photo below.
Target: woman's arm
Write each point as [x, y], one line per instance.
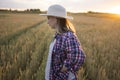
[75, 56]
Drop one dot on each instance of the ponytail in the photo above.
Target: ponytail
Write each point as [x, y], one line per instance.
[70, 26]
[65, 25]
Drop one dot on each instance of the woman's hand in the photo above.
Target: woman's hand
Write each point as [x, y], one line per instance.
[63, 69]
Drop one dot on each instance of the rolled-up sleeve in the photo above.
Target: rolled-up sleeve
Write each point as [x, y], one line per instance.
[75, 55]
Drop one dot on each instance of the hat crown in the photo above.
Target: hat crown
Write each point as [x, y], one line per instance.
[57, 10]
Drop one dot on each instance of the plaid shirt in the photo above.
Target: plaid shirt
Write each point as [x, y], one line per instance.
[66, 51]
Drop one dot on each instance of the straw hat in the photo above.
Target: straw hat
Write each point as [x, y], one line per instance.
[57, 11]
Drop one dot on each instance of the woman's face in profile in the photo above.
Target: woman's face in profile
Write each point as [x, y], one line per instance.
[52, 21]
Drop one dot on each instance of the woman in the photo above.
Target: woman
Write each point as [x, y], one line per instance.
[65, 54]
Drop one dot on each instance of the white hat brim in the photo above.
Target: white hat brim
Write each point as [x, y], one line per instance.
[67, 17]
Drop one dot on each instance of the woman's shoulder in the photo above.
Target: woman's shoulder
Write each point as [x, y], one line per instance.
[68, 34]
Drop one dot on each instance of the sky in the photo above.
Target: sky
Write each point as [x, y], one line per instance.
[110, 6]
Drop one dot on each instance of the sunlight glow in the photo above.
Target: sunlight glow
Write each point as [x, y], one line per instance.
[115, 10]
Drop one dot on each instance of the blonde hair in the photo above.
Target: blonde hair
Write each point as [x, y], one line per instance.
[65, 25]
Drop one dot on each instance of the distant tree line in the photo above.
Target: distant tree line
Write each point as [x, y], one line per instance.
[18, 11]
[37, 11]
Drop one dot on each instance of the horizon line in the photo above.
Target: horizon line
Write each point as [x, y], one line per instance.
[88, 11]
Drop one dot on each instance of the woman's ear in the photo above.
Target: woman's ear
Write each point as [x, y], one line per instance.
[58, 21]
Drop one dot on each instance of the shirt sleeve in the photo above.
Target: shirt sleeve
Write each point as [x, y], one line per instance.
[75, 55]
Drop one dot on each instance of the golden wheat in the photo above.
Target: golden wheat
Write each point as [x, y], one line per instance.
[25, 39]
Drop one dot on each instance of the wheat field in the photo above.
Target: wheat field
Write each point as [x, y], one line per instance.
[25, 39]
